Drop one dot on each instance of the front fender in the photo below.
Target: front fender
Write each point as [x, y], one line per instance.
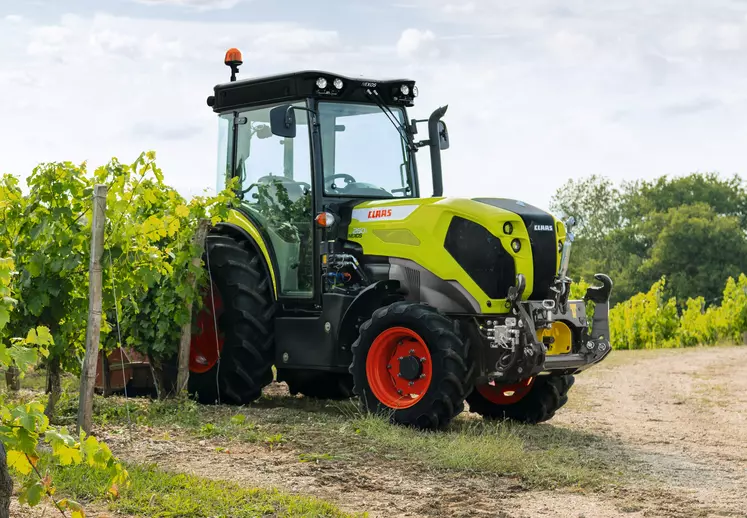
[379, 294]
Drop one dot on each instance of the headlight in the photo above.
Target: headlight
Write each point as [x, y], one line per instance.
[404, 89]
[516, 245]
[321, 83]
[508, 228]
[338, 83]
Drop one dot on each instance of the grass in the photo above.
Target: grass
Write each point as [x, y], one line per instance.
[541, 456]
[157, 493]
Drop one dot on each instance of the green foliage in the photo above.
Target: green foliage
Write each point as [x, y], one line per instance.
[151, 238]
[697, 324]
[148, 258]
[688, 229]
[696, 248]
[732, 321]
[645, 321]
[22, 428]
[652, 320]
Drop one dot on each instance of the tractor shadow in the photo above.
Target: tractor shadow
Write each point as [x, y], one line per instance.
[277, 398]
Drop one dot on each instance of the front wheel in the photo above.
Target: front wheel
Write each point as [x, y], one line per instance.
[532, 401]
[410, 365]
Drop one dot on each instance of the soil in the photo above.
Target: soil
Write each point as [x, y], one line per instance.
[678, 418]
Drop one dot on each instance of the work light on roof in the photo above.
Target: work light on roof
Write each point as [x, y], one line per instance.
[321, 83]
[338, 83]
[404, 89]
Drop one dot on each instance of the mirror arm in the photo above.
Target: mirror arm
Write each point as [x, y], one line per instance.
[434, 143]
[312, 112]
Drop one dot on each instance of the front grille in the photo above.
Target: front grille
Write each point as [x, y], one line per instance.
[544, 253]
[544, 242]
[482, 256]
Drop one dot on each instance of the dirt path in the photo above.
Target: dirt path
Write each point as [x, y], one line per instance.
[681, 413]
[678, 416]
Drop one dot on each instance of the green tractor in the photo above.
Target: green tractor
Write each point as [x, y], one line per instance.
[334, 269]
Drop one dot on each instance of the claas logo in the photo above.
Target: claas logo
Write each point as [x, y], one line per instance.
[379, 213]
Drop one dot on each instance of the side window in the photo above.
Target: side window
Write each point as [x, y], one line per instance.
[275, 175]
[225, 149]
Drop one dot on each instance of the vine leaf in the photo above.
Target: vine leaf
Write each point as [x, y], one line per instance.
[18, 461]
[32, 492]
[75, 508]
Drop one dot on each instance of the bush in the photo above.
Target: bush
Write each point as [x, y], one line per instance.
[648, 320]
[645, 321]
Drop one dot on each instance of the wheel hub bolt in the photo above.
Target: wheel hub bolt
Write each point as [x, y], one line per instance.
[422, 376]
[412, 351]
[388, 366]
[422, 360]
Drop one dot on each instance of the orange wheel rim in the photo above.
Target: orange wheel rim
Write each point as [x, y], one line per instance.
[399, 367]
[506, 394]
[203, 353]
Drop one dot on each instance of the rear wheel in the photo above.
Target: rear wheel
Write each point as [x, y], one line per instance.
[410, 365]
[232, 362]
[531, 401]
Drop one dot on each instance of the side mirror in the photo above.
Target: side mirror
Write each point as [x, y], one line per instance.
[283, 121]
[443, 135]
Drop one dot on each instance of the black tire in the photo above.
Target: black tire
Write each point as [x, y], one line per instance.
[444, 397]
[318, 385]
[247, 322]
[548, 394]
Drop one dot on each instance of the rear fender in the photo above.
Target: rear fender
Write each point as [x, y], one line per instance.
[248, 232]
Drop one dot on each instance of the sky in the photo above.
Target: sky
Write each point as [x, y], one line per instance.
[539, 91]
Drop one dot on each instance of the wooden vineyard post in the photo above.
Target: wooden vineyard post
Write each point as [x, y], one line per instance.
[93, 330]
[182, 377]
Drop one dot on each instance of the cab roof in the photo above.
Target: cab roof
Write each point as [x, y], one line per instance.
[295, 86]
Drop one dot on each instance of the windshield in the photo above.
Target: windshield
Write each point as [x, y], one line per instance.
[363, 152]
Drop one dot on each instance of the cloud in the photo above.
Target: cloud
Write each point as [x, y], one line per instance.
[414, 41]
[731, 36]
[108, 42]
[13, 18]
[300, 40]
[160, 130]
[570, 45]
[465, 8]
[199, 5]
[691, 107]
[534, 91]
[49, 40]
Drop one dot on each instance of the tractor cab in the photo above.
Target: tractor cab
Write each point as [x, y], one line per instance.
[300, 141]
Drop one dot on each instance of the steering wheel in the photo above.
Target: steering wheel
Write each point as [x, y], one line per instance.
[329, 180]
